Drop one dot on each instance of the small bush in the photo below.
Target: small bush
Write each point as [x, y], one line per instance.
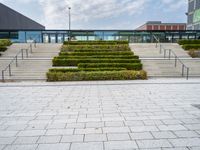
[94, 53]
[84, 69]
[96, 75]
[100, 57]
[128, 66]
[194, 53]
[5, 42]
[184, 42]
[75, 62]
[191, 46]
[90, 48]
[94, 42]
[3, 48]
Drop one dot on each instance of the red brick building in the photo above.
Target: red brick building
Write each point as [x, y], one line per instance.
[158, 25]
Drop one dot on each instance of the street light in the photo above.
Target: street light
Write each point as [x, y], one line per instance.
[69, 38]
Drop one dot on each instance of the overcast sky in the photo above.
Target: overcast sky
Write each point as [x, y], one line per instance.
[100, 14]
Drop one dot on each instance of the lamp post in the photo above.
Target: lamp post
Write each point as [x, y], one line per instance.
[69, 38]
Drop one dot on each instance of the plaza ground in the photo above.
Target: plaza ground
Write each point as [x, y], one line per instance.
[158, 114]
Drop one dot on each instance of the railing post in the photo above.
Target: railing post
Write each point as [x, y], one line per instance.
[176, 61]
[160, 48]
[3, 76]
[26, 53]
[35, 43]
[188, 69]
[183, 68]
[9, 67]
[16, 61]
[169, 54]
[22, 53]
[164, 53]
[31, 48]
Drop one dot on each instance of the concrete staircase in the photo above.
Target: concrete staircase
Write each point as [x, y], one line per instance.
[158, 66]
[32, 68]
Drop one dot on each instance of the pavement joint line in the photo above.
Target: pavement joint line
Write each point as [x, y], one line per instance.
[97, 84]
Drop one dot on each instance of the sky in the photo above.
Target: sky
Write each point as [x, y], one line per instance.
[100, 14]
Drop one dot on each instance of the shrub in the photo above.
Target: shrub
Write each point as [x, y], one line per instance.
[90, 48]
[94, 53]
[194, 53]
[128, 66]
[100, 57]
[3, 48]
[94, 42]
[96, 75]
[183, 42]
[84, 69]
[5, 42]
[191, 46]
[75, 62]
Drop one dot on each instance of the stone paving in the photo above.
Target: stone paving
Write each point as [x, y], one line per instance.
[79, 116]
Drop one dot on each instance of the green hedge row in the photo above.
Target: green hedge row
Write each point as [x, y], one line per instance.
[75, 62]
[191, 46]
[97, 75]
[94, 42]
[80, 48]
[84, 69]
[94, 53]
[3, 48]
[5, 42]
[100, 57]
[183, 42]
[128, 66]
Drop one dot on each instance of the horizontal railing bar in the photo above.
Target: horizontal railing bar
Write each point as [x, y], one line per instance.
[13, 59]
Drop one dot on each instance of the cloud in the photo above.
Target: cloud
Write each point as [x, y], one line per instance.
[122, 14]
[173, 5]
[56, 11]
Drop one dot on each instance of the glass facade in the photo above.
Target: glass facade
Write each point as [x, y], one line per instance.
[193, 14]
[133, 36]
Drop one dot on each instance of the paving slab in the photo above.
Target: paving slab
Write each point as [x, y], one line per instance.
[111, 115]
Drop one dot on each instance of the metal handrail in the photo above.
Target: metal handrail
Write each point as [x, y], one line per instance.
[169, 57]
[15, 59]
[177, 59]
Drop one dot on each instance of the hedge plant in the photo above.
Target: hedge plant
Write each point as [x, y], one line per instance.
[5, 42]
[191, 46]
[128, 66]
[75, 62]
[3, 48]
[94, 42]
[99, 57]
[96, 75]
[184, 42]
[84, 69]
[79, 48]
[94, 53]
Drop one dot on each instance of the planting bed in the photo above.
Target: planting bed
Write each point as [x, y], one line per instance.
[96, 60]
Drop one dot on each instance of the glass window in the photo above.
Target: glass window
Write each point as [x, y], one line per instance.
[34, 35]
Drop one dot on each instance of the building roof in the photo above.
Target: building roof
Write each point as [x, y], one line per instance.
[13, 20]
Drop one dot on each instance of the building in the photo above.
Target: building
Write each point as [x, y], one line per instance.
[158, 25]
[19, 28]
[193, 15]
[13, 20]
